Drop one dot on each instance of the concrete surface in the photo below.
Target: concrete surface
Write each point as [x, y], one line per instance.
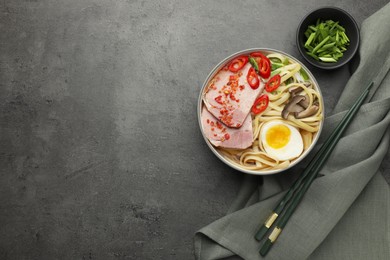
[101, 155]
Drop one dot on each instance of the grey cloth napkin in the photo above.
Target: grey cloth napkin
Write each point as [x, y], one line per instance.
[345, 213]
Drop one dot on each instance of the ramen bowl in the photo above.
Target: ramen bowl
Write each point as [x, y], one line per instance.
[272, 130]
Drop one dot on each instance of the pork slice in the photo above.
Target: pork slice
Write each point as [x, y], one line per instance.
[222, 136]
[231, 100]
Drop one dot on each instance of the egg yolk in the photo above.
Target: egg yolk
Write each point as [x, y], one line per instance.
[278, 136]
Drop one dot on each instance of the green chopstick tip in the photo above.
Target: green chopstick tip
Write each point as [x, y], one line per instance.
[261, 233]
[266, 247]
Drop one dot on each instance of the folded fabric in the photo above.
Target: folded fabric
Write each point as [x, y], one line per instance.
[345, 213]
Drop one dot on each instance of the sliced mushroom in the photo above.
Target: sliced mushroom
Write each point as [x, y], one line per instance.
[307, 84]
[307, 112]
[305, 102]
[292, 106]
[295, 91]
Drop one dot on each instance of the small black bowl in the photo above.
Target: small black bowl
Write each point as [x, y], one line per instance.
[345, 20]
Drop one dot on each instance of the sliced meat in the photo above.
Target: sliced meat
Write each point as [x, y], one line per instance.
[229, 97]
[222, 136]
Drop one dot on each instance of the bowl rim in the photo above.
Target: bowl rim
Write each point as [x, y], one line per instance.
[337, 64]
[200, 105]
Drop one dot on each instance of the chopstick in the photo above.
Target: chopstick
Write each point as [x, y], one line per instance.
[302, 184]
[286, 198]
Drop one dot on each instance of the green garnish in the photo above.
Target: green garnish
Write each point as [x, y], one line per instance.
[275, 66]
[253, 62]
[326, 41]
[289, 81]
[304, 74]
[275, 60]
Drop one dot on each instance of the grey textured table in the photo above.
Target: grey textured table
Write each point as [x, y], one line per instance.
[101, 155]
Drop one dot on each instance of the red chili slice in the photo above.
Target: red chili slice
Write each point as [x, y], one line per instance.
[258, 54]
[238, 63]
[264, 64]
[218, 100]
[273, 83]
[265, 68]
[252, 78]
[260, 104]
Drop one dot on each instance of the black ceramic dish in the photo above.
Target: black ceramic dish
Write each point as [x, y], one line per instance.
[335, 14]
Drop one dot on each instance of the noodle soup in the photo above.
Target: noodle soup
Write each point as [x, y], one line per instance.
[261, 111]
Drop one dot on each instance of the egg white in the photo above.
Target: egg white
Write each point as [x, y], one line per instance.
[291, 150]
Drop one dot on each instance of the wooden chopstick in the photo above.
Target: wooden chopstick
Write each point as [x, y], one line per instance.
[300, 187]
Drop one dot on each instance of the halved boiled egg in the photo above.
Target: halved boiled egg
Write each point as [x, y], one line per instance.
[280, 140]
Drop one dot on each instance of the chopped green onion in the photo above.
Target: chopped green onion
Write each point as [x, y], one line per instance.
[304, 74]
[334, 25]
[320, 45]
[340, 28]
[326, 46]
[275, 60]
[310, 39]
[275, 66]
[253, 62]
[312, 55]
[328, 59]
[326, 56]
[326, 40]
